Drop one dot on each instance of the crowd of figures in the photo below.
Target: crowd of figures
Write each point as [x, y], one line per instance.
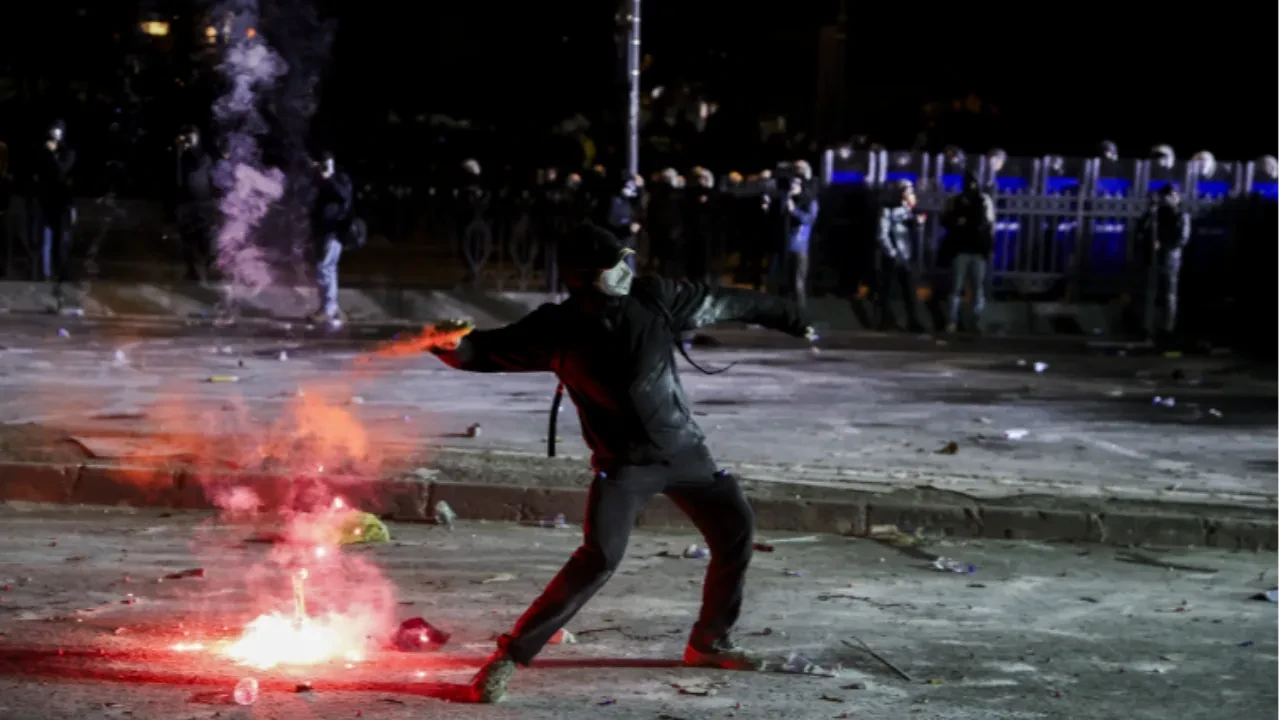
[751, 231]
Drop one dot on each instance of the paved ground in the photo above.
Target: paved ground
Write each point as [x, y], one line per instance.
[872, 410]
[1037, 631]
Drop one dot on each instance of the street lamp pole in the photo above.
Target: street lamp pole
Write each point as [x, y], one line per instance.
[633, 86]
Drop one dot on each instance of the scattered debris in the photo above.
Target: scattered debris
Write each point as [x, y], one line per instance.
[556, 522]
[694, 552]
[798, 664]
[121, 415]
[192, 573]
[982, 420]
[362, 527]
[1040, 367]
[303, 687]
[1246, 643]
[1088, 599]
[832, 698]
[357, 400]
[418, 635]
[1015, 434]
[563, 637]
[793, 573]
[473, 430]
[804, 539]
[284, 355]
[1173, 657]
[246, 692]
[946, 564]
[1270, 596]
[62, 333]
[1141, 559]
[223, 379]
[1167, 401]
[608, 701]
[891, 535]
[700, 688]
[444, 515]
[862, 598]
[1215, 412]
[499, 578]
[858, 644]
[762, 547]
[950, 448]
[120, 357]
[854, 686]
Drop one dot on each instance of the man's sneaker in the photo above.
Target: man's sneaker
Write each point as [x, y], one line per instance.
[321, 318]
[490, 684]
[723, 655]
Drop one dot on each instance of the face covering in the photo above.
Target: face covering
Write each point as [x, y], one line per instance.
[616, 281]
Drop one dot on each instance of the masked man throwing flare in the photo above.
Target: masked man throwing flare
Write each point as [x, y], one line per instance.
[611, 345]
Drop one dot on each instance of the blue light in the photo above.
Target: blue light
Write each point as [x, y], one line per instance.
[1267, 189]
[1113, 186]
[847, 177]
[1061, 184]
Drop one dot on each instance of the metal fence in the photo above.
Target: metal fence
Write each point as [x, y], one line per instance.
[1065, 226]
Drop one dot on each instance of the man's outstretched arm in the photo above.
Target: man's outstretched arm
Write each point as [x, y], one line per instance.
[526, 345]
[696, 305]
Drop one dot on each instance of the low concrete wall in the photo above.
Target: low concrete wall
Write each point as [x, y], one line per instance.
[488, 309]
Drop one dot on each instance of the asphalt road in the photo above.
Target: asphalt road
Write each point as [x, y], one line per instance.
[1035, 631]
[869, 408]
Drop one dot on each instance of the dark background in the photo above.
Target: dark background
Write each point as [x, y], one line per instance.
[1049, 79]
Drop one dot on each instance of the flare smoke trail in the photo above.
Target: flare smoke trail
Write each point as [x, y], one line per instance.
[250, 67]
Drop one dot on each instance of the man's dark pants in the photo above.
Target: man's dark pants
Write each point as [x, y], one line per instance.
[712, 499]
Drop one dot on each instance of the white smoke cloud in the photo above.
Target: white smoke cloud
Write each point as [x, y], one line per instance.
[249, 188]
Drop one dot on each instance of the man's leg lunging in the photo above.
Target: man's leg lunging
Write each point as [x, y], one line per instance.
[612, 504]
[720, 510]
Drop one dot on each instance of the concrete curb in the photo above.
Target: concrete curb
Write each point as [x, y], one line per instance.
[546, 490]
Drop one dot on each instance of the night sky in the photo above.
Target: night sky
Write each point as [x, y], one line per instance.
[1060, 78]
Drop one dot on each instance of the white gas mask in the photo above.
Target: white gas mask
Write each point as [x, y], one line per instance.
[616, 281]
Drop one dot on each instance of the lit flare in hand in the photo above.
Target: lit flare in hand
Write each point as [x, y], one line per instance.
[444, 335]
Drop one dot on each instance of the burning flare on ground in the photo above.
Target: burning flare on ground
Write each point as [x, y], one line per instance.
[278, 639]
[350, 615]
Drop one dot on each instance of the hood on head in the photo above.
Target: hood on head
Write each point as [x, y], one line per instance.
[587, 255]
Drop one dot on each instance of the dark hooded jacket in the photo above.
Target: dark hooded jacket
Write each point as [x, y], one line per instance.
[331, 209]
[616, 358]
[1167, 223]
[970, 221]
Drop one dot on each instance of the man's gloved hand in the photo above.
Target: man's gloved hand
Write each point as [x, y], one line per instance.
[446, 334]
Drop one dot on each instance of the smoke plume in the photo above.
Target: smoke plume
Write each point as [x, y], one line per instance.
[248, 187]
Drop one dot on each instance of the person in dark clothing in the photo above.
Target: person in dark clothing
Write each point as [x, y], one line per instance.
[801, 214]
[701, 221]
[619, 212]
[610, 343]
[330, 219]
[897, 235]
[666, 225]
[472, 231]
[969, 219]
[56, 208]
[1164, 231]
[194, 204]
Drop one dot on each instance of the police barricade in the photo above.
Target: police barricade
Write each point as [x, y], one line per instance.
[1206, 263]
[1114, 212]
[1009, 180]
